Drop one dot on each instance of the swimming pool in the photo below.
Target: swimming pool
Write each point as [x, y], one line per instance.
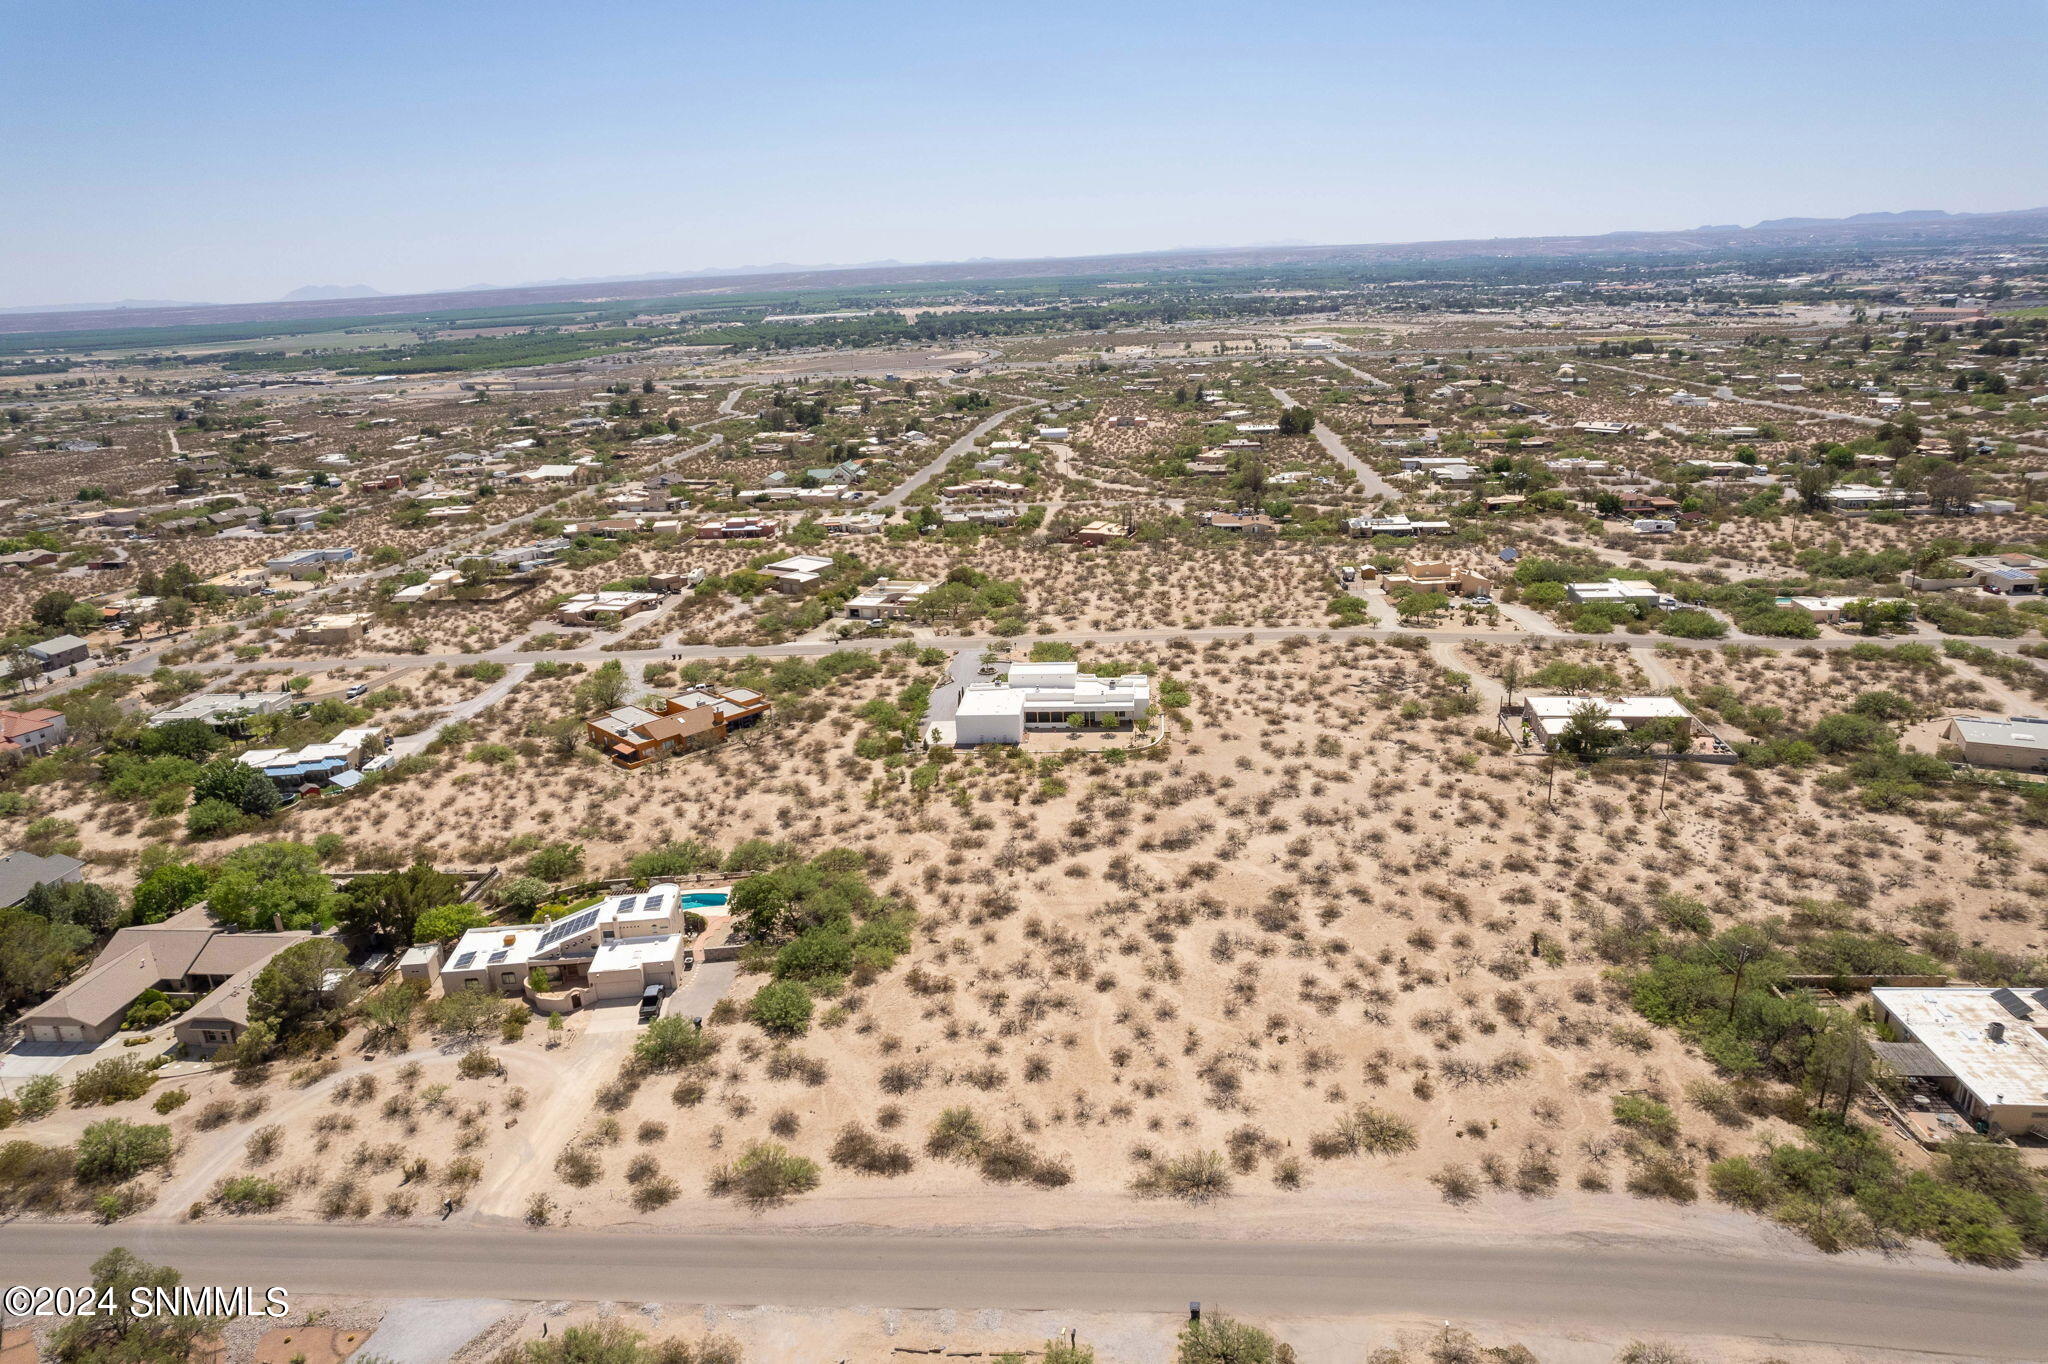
[705, 899]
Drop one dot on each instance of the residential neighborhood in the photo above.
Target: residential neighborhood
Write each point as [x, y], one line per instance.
[1341, 684]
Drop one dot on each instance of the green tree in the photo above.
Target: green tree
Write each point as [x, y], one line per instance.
[192, 739]
[1223, 1340]
[266, 883]
[35, 955]
[556, 862]
[50, 609]
[121, 1336]
[1588, 732]
[389, 904]
[115, 1149]
[782, 1006]
[445, 923]
[604, 689]
[166, 889]
[294, 996]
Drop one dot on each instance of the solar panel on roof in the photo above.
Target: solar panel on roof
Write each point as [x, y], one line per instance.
[574, 924]
[626, 903]
[499, 956]
[2012, 1003]
[465, 959]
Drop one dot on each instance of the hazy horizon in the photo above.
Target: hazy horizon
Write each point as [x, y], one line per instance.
[238, 152]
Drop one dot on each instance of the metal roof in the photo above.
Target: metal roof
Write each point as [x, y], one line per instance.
[1912, 1060]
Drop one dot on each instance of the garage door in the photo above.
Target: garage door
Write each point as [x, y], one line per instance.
[615, 985]
[70, 1032]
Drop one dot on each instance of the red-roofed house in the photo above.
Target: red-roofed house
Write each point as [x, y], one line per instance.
[30, 732]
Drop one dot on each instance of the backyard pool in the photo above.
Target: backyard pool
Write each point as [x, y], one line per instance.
[701, 900]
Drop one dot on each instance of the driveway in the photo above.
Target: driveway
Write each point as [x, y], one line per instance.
[1369, 480]
[964, 668]
[894, 497]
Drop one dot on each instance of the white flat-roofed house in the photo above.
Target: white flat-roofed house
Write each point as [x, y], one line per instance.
[2019, 743]
[591, 608]
[1046, 696]
[1614, 589]
[2009, 574]
[438, 585]
[1548, 716]
[1828, 610]
[1986, 1049]
[890, 599]
[612, 950]
[992, 488]
[224, 707]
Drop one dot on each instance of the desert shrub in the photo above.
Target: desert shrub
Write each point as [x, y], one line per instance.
[247, 1193]
[1196, 1176]
[263, 1143]
[856, 1148]
[1742, 1182]
[1833, 1224]
[782, 1007]
[38, 1098]
[766, 1175]
[477, 1063]
[649, 1194]
[171, 1100]
[1646, 1116]
[1456, 1183]
[1009, 1159]
[114, 1150]
[1662, 1175]
[577, 1167]
[956, 1135]
[1365, 1130]
[34, 1177]
[111, 1081]
[674, 1044]
[1219, 1339]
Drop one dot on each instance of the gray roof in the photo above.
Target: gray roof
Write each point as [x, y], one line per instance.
[1912, 1060]
[61, 644]
[2013, 731]
[21, 872]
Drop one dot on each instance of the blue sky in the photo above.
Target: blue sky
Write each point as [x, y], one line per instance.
[228, 150]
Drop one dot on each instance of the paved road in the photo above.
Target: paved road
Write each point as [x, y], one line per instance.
[1369, 480]
[1163, 635]
[894, 498]
[1852, 1302]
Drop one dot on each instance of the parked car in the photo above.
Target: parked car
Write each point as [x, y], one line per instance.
[358, 689]
[650, 1004]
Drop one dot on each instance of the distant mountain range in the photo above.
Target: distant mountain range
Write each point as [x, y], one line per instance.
[313, 291]
[1913, 227]
[103, 307]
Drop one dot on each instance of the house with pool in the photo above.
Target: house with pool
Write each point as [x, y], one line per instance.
[602, 953]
